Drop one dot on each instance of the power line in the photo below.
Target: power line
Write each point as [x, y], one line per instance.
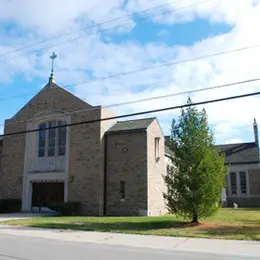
[148, 99]
[139, 85]
[92, 26]
[136, 114]
[164, 65]
[80, 37]
[155, 67]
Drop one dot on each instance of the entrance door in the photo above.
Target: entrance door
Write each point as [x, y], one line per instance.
[44, 193]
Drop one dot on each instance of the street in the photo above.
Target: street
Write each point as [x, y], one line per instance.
[28, 248]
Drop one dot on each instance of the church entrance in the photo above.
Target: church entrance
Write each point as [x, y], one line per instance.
[44, 193]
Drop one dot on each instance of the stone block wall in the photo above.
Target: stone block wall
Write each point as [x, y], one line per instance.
[127, 161]
[156, 168]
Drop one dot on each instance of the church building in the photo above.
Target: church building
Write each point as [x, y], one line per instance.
[111, 167]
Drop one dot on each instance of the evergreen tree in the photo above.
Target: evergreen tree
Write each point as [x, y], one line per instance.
[197, 177]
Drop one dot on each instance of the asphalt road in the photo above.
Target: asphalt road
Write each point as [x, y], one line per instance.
[27, 248]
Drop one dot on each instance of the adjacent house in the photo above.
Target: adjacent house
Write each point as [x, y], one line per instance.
[243, 180]
[110, 167]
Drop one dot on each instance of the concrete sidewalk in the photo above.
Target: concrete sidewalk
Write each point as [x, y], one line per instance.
[246, 248]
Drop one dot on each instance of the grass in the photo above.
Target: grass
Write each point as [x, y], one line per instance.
[240, 224]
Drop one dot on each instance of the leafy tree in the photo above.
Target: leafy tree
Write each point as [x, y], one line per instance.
[197, 177]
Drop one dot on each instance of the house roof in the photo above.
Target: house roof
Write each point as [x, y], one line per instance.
[167, 140]
[168, 151]
[131, 125]
[239, 153]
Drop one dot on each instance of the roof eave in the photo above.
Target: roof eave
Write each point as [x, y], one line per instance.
[241, 163]
[126, 131]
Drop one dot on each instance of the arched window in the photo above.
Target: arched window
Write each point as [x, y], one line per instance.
[52, 142]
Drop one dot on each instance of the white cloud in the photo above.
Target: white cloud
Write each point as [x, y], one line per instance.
[234, 141]
[91, 57]
[53, 17]
[217, 11]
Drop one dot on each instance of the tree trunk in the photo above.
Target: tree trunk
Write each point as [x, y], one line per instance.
[195, 218]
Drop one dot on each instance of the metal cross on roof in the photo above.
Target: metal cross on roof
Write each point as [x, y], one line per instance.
[52, 57]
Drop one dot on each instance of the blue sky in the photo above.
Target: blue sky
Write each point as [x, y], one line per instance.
[196, 30]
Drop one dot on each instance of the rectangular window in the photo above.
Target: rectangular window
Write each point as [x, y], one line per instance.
[62, 139]
[243, 186]
[157, 145]
[122, 189]
[233, 182]
[52, 139]
[42, 140]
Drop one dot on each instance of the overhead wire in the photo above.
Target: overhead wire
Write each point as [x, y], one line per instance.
[84, 36]
[164, 65]
[145, 99]
[3, 99]
[92, 26]
[137, 113]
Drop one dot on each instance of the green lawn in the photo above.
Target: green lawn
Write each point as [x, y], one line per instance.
[242, 224]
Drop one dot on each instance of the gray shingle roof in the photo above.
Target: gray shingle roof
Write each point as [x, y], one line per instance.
[168, 151]
[241, 153]
[131, 125]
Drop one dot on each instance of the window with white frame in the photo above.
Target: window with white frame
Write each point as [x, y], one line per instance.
[238, 183]
[52, 142]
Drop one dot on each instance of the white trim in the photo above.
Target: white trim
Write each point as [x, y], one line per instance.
[243, 167]
[48, 113]
[31, 156]
[27, 199]
[46, 147]
[237, 168]
[239, 194]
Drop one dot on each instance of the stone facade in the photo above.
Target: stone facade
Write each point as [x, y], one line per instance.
[250, 202]
[126, 162]
[252, 199]
[252, 196]
[254, 182]
[11, 178]
[94, 162]
[156, 170]
[86, 161]
[111, 168]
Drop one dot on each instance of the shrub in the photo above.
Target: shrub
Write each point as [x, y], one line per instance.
[65, 208]
[10, 205]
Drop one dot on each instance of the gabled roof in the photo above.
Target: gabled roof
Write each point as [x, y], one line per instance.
[55, 90]
[240, 153]
[131, 125]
